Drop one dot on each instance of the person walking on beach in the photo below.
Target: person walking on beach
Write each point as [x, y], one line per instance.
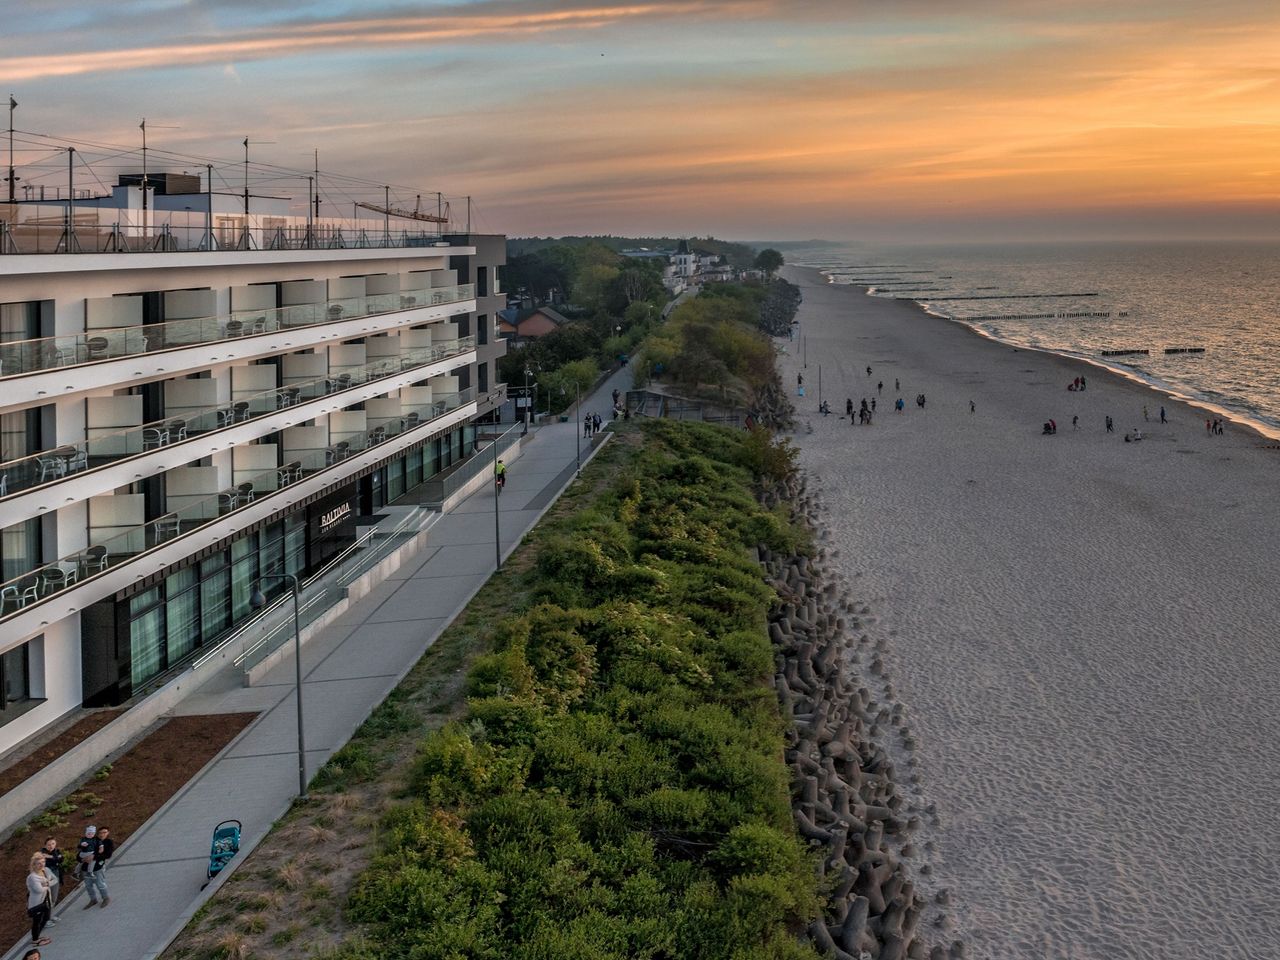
[1111, 427]
[880, 387]
[1144, 412]
[972, 408]
[799, 379]
[868, 371]
[38, 905]
[1075, 423]
[1082, 383]
[899, 405]
[1162, 418]
[848, 408]
[873, 404]
[896, 385]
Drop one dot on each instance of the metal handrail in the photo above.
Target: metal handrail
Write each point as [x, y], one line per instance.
[410, 519]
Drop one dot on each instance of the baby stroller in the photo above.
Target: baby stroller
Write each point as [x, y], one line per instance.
[223, 847]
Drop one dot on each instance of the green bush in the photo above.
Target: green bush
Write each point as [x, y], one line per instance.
[617, 789]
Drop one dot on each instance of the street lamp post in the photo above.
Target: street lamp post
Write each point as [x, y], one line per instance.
[577, 393]
[526, 399]
[497, 533]
[257, 601]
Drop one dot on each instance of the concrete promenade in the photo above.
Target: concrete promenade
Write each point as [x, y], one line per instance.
[156, 875]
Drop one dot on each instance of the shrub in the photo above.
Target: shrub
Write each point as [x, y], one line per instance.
[616, 790]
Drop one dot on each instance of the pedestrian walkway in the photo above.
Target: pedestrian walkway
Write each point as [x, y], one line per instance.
[156, 876]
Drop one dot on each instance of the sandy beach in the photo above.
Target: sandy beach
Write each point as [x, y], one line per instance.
[1083, 631]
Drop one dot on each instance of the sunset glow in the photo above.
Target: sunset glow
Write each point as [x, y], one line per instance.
[743, 118]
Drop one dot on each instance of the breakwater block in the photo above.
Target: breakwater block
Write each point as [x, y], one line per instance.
[1184, 349]
[1124, 353]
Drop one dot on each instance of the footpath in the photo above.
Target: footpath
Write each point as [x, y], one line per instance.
[155, 879]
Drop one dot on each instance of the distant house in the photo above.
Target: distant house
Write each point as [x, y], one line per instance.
[685, 261]
[529, 324]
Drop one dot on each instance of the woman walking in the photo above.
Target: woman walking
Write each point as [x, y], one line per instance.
[39, 900]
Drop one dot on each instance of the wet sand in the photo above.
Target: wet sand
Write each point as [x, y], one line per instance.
[1083, 630]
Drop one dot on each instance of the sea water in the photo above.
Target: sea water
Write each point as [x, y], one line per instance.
[1222, 297]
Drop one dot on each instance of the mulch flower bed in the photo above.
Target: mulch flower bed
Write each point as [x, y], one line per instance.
[45, 754]
[122, 796]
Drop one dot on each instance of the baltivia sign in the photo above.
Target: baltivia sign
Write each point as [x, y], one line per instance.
[335, 516]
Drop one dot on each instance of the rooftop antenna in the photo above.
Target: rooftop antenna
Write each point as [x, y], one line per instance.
[11, 179]
[317, 176]
[143, 127]
[247, 141]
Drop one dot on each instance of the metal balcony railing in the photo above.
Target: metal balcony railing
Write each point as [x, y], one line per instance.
[54, 226]
[22, 357]
[41, 583]
[70, 459]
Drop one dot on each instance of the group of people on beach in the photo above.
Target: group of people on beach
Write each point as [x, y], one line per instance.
[48, 872]
[1215, 426]
[1077, 384]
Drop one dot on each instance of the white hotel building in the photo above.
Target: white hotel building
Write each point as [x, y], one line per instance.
[210, 397]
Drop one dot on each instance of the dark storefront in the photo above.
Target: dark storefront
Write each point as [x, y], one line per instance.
[138, 635]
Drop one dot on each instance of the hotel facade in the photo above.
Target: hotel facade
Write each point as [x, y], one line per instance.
[193, 397]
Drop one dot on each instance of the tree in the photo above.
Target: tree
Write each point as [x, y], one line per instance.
[769, 260]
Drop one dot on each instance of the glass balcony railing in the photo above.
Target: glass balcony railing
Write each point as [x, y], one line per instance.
[20, 357]
[200, 510]
[50, 466]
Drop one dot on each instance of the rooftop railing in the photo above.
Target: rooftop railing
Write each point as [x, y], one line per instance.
[70, 459]
[21, 357]
[44, 228]
[62, 574]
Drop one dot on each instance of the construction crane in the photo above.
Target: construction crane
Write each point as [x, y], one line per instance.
[442, 216]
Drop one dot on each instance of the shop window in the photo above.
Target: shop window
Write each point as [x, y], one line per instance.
[244, 575]
[295, 544]
[146, 636]
[413, 468]
[395, 480]
[182, 614]
[215, 595]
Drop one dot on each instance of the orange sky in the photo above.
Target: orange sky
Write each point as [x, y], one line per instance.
[745, 118]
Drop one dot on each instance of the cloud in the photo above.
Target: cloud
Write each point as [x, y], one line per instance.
[457, 25]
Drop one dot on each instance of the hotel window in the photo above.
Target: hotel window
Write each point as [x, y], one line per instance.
[19, 437]
[20, 549]
[482, 330]
[482, 281]
[15, 680]
[19, 321]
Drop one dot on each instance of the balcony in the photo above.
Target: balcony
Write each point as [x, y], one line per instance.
[68, 572]
[26, 357]
[50, 467]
